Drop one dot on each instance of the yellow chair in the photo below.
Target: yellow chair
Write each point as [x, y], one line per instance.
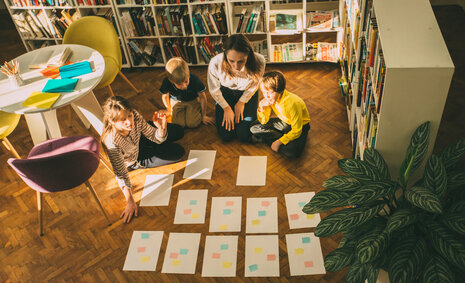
[8, 123]
[98, 33]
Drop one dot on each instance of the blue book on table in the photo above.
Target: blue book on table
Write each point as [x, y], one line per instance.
[74, 70]
[60, 85]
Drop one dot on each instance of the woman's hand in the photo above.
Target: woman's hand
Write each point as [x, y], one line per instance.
[159, 120]
[275, 145]
[130, 210]
[207, 120]
[239, 111]
[262, 104]
[228, 119]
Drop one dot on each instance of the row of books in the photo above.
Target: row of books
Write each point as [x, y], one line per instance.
[92, 2]
[39, 25]
[209, 19]
[321, 51]
[287, 52]
[169, 1]
[145, 52]
[180, 47]
[31, 3]
[173, 21]
[260, 46]
[138, 22]
[250, 20]
[323, 19]
[210, 47]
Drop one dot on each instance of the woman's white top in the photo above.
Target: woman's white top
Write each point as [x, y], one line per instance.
[241, 81]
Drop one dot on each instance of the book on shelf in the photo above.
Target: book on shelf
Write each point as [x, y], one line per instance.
[162, 2]
[180, 47]
[250, 20]
[321, 51]
[138, 22]
[209, 19]
[92, 2]
[35, 3]
[145, 51]
[287, 52]
[318, 20]
[173, 21]
[286, 23]
[210, 47]
[260, 46]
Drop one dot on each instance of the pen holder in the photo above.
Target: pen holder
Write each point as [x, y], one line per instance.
[15, 80]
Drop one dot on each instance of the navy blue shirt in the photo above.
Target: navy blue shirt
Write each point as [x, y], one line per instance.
[192, 92]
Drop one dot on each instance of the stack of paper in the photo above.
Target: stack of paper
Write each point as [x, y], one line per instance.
[63, 85]
[50, 57]
[41, 100]
[74, 70]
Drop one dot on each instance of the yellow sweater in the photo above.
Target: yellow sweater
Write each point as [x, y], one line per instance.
[292, 110]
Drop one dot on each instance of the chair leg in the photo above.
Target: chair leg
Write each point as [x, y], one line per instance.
[92, 191]
[39, 210]
[129, 83]
[10, 147]
[110, 90]
[105, 163]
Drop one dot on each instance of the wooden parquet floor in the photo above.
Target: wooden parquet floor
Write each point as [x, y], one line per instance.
[78, 246]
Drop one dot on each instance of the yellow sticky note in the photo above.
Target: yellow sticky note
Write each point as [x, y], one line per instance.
[223, 227]
[41, 99]
[257, 250]
[226, 264]
[195, 215]
[176, 262]
[310, 216]
[255, 222]
[299, 251]
[145, 259]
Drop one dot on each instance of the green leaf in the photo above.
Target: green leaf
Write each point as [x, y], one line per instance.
[371, 246]
[401, 218]
[357, 273]
[345, 218]
[437, 270]
[406, 260]
[374, 158]
[455, 222]
[342, 183]
[456, 179]
[452, 153]
[326, 200]
[424, 199]
[372, 274]
[446, 244]
[435, 176]
[416, 152]
[339, 258]
[354, 233]
[458, 206]
[371, 191]
[358, 170]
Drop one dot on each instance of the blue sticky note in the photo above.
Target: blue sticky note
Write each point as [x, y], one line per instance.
[253, 267]
[183, 251]
[224, 246]
[302, 204]
[226, 211]
[305, 240]
[193, 202]
[262, 213]
[145, 235]
[74, 70]
[60, 85]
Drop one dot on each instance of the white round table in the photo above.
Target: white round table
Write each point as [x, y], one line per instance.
[43, 123]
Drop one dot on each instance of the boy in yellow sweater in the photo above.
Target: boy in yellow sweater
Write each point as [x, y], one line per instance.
[286, 134]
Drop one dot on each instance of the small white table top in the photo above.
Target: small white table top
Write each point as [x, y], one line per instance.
[11, 99]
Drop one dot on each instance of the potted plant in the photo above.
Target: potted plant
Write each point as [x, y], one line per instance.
[413, 231]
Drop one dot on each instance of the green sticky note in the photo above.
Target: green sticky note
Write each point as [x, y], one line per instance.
[183, 251]
[302, 204]
[262, 213]
[145, 235]
[224, 246]
[193, 202]
[226, 211]
[253, 267]
[305, 240]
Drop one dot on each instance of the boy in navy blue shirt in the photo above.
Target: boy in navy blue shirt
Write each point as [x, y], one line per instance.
[183, 95]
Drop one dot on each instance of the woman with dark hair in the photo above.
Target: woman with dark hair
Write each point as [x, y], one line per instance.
[132, 143]
[233, 78]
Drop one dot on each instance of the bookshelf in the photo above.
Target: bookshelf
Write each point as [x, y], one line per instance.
[141, 26]
[396, 74]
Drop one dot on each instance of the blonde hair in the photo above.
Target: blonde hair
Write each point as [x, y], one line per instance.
[111, 112]
[177, 70]
[274, 81]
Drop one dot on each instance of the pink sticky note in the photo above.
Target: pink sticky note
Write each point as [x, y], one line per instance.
[229, 203]
[141, 249]
[308, 263]
[187, 211]
[173, 255]
[265, 203]
[271, 257]
[216, 255]
[294, 216]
